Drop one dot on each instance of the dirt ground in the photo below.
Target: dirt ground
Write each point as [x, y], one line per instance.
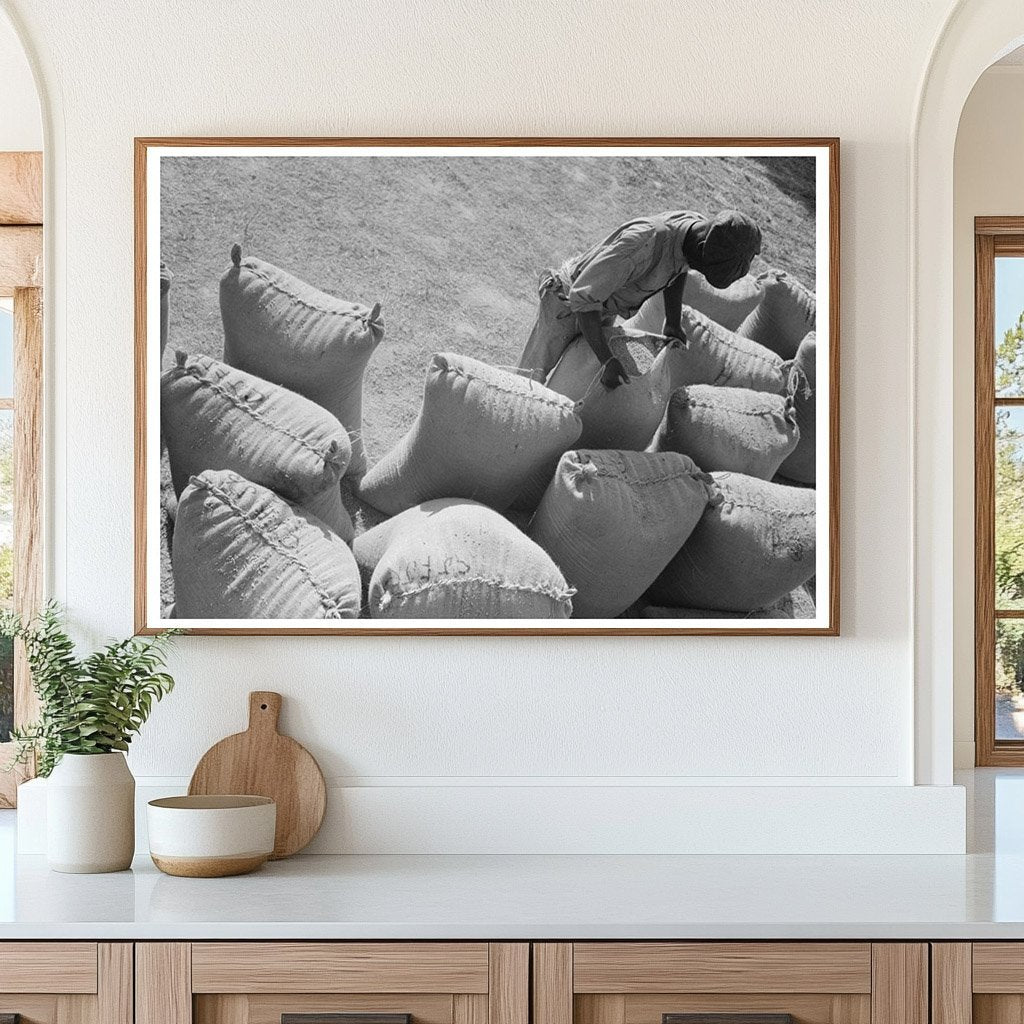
[451, 247]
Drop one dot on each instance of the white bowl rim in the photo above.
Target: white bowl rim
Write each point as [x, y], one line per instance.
[212, 802]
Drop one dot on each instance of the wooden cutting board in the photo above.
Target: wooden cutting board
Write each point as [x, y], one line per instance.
[262, 762]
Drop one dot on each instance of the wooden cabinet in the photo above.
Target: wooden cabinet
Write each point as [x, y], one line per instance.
[753, 982]
[264, 982]
[494, 983]
[66, 982]
[980, 982]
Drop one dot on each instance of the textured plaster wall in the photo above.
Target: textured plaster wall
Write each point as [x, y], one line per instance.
[730, 711]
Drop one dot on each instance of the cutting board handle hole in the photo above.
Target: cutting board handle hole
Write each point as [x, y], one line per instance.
[263, 707]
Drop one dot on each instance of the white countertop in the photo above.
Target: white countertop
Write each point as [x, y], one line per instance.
[495, 897]
[980, 895]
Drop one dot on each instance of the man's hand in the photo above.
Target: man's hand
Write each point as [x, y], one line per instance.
[677, 334]
[613, 374]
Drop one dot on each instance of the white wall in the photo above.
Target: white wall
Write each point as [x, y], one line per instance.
[987, 181]
[464, 711]
[21, 127]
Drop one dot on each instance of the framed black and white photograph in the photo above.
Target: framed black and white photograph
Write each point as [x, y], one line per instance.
[539, 386]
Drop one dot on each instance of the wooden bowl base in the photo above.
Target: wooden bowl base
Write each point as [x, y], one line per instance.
[209, 867]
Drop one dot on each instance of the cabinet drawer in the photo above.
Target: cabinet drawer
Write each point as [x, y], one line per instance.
[642, 982]
[340, 967]
[981, 982]
[341, 1008]
[66, 982]
[998, 968]
[65, 967]
[730, 983]
[749, 967]
[332, 983]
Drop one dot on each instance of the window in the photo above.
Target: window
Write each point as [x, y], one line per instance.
[999, 490]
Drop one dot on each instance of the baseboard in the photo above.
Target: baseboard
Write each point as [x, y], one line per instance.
[525, 819]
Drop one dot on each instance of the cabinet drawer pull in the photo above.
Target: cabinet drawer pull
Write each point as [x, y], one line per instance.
[339, 1018]
[727, 1018]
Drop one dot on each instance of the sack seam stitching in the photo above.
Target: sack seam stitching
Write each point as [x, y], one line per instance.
[726, 411]
[328, 603]
[728, 505]
[566, 405]
[281, 290]
[243, 406]
[555, 593]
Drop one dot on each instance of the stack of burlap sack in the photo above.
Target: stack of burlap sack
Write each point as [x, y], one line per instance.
[687, 493]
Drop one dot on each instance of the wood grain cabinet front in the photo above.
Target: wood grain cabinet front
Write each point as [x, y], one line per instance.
[730, 983]
[332, 983]
[494, 983]
[66, 982]
[978, 983]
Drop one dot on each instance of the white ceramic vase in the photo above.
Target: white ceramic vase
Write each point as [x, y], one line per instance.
[90, 814]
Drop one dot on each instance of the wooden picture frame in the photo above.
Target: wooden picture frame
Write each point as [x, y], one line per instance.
[993, 237]
[149, 617]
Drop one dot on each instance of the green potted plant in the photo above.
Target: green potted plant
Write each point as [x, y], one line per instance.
[90, 708]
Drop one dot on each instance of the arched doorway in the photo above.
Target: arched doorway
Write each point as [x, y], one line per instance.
[976, 34]
[987, 422]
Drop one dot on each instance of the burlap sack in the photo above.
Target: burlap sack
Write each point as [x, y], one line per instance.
[461, 560]
[370, 545]
[732, 429]
[726, 306]
[625, 417]
[748, 550]
[288, 332]
[612, 520]
[481, 433]
[784, 316]
[213, 416]
[241, 552]
[798, 604]
[714, 355]
[801, 465]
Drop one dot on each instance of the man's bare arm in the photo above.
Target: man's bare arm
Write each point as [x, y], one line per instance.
[590, 325]
[673, 296]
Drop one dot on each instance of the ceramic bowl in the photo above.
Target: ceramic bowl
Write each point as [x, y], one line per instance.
[211, 836]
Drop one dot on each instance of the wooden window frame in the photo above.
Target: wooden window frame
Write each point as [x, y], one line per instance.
[21, 277]
[993, 237]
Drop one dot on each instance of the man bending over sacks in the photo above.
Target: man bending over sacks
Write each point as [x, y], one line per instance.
[615, 277]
